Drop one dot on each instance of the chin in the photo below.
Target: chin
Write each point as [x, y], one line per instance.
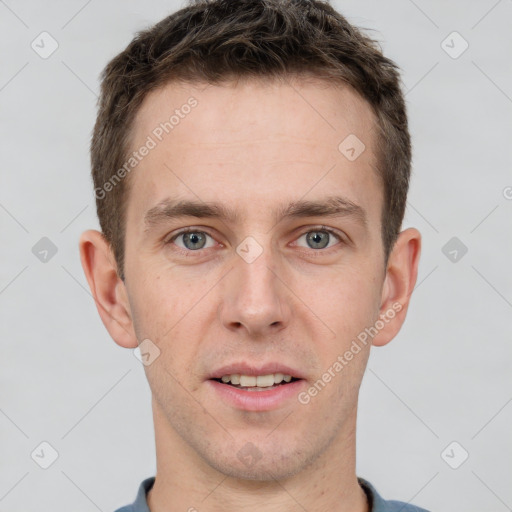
[260, 472]
[259, 464]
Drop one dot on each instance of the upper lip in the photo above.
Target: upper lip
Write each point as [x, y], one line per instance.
[251, 369]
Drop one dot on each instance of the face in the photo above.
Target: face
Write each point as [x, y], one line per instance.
[280, 269]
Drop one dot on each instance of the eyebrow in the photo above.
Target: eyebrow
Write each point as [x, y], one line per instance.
[332, 206]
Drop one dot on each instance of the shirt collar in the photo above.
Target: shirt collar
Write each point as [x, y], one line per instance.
[375, 500]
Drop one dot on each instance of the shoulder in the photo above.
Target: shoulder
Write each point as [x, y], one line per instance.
[400, 506]
[379, 504]
[140, 504]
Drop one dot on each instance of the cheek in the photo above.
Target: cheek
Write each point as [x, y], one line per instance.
[171, 314]
[156, 307]
[349, 303]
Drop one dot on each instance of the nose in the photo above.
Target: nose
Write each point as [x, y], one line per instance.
[255, 297]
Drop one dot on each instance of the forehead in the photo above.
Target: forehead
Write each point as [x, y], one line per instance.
[253, 144]
[303, 106]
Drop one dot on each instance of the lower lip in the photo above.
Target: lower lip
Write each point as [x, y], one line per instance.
[257, 400]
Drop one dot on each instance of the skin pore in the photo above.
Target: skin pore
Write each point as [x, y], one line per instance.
[253, 148]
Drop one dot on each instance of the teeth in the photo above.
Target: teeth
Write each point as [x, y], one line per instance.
[264, 381]
[247, 381]
[261, 381]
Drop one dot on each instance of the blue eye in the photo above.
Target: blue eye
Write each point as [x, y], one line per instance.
[319, 238]
[192, 240]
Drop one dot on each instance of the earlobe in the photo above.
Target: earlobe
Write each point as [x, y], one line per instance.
[401, 275]
[107, 288]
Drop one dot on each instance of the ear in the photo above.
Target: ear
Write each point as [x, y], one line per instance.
[401, 274]
[108, 290]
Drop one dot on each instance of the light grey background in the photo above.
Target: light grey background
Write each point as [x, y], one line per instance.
[446, 377]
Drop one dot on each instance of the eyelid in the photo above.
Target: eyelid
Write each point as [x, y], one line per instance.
[324, 228]
[189, 229]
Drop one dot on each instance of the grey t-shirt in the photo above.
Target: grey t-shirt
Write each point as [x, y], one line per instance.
[377, 503]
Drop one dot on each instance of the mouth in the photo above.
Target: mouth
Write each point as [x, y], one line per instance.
[256, 382]
[264, 388]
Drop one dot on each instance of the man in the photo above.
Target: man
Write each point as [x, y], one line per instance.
[251, 164]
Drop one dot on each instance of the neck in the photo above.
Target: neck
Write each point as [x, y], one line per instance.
[184, 481]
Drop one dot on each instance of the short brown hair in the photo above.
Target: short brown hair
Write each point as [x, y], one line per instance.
[213, 41]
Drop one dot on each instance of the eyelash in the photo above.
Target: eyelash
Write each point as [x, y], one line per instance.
[188, 252]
